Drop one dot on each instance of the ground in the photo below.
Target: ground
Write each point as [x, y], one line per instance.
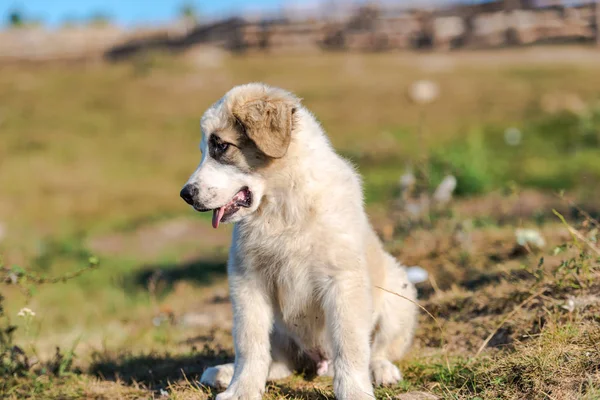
[93, 157]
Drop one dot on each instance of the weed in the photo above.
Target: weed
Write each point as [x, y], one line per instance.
[17, 362]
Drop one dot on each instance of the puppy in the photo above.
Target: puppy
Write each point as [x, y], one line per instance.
[305, 266]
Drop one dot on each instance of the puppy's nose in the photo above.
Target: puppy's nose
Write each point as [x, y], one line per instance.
[188, 193]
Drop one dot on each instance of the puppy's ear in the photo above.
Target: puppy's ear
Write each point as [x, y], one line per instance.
[268, 123]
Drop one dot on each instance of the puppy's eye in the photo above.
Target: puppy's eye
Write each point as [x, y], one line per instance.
[221, 147]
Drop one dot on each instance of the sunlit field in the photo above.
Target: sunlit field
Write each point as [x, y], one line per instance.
[92, 158]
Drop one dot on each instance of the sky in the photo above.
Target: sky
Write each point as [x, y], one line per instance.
[53, 13]
[128, 12]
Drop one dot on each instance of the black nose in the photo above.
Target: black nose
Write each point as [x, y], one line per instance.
[188, 193]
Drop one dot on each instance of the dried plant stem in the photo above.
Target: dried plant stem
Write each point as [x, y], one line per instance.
[585, 240]
[583, 212]
[39, 280]
[509, 316]
[576, 234]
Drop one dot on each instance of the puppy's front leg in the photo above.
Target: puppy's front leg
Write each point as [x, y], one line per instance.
[348, 313]
[252, 322]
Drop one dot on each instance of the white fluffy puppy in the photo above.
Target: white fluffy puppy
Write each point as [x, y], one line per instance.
[305, 267]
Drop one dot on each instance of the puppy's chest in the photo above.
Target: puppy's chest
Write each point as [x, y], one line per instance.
[279, 257]
[290, 261]
[291, 273]
[299, 311]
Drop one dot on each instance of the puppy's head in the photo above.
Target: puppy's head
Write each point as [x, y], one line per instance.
[242, 134]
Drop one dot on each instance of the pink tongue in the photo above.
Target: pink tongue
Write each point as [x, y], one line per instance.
[217, 215]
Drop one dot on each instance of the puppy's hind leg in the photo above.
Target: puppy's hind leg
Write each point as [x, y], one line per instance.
[283, 352]
[395, 328]
[347, 307]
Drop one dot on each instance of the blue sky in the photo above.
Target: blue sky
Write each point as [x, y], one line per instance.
[136, 12]
[127, 12]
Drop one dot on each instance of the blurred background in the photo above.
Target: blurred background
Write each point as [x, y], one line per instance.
[473, 123]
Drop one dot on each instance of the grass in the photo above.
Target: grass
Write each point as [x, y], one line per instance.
[542, 344]
[92, 159]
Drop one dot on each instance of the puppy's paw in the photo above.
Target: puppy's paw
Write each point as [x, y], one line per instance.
[218, 377]
[236, 393]
[353, 387]
[384, 373]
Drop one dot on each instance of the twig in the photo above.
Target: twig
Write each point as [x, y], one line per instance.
[584, 239]
[513, 312]
[194, 387]
[578, 235]
[547, 395]
[21, 278]
[582, 212]
[93, 263]
[564, 221]
[434, 285]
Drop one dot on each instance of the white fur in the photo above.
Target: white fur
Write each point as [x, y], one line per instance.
[218, 183]
[304, 268]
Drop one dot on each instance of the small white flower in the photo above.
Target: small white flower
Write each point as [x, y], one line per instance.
[513, 136]
[157, 321]
[530, 237]
[407, 180]
[443, 193]
[416, 274]
[569, 305]
[424, 91]
[26, 312]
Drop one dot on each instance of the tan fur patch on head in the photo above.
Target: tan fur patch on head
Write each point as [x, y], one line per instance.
[266, 115]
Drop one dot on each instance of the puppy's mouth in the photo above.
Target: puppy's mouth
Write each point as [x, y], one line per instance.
[243, 198]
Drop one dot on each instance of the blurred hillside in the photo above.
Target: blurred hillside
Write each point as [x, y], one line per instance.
[373, 27]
